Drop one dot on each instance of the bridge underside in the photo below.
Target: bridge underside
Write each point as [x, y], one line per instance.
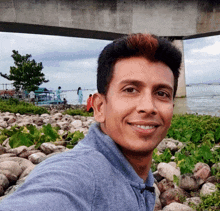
[60, 31]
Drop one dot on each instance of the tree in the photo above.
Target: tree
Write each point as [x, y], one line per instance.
[26, 74]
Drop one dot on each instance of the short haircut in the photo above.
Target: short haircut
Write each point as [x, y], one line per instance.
[148, 46]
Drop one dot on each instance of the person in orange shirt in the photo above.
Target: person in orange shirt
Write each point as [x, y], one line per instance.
[89, 104]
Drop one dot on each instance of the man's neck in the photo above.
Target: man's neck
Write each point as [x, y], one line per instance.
[141, 162]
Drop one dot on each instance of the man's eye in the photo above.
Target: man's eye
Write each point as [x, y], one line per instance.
[162, 94]
[130, 90]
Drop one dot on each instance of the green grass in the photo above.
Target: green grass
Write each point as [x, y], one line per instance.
[15, 106]
[199, 133]
[80, 112]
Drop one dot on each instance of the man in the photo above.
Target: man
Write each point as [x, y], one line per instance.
[110, 168]
[89, 104]
[58, 91]
[32, 97]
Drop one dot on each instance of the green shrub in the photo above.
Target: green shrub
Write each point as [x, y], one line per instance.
[200, 133]
[80, 112]
[15, 106]
[209, 202]
[30, 135]
[73, 138]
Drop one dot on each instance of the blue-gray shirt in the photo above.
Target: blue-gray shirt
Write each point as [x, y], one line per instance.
[93, 176]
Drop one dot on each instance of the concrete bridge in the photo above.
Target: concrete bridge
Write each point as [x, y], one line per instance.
[109, 19]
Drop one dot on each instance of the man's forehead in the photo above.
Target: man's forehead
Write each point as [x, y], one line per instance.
[139, 66]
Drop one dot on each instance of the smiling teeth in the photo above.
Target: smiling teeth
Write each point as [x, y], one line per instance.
[145, 127]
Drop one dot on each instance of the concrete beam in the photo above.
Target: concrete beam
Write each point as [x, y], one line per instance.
[163, 18]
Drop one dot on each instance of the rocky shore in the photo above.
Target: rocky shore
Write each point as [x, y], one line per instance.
[17, 163]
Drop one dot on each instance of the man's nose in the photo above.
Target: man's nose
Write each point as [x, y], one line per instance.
[147, 104]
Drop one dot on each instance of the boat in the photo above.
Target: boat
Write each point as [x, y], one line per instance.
[44, 96]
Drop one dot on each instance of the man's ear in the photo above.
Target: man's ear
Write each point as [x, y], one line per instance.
[98, 107]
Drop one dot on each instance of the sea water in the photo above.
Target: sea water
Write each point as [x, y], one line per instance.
[201, 99]
[72, 97]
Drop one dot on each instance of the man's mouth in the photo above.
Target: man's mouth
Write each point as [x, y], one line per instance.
[145, 127]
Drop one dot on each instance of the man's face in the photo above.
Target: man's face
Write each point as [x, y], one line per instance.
[138, 107]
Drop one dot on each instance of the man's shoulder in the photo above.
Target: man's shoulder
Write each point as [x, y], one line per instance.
[87, 159]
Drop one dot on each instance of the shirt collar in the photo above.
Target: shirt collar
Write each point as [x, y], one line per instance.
[105, 145]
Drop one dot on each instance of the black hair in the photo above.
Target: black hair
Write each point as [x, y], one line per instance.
[148, 46]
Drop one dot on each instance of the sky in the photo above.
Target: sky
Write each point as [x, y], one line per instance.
[202, 60]
[72, 62]
[68, 62]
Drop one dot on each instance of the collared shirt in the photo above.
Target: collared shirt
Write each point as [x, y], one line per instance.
[93, 176]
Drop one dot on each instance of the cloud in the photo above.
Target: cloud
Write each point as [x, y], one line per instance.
[213, 49]
[69, 62]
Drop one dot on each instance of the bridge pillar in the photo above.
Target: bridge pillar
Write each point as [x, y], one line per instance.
[181, 91]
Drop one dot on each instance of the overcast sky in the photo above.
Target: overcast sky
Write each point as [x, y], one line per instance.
[68, 62]
[202, 59]
[72, 62]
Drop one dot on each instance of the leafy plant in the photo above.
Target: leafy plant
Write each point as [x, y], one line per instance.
[15, 106]
[73, 138]
[209, 202]
[80, 112]
[30, 135]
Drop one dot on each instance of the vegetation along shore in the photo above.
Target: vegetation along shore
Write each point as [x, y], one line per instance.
[186, 164]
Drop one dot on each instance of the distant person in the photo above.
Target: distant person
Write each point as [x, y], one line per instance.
[89, 104]
[80, 95]
[58, 93]
[64, 101]
[32, 96]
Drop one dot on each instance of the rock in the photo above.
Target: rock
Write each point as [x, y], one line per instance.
[177, 206]
[63, 125]
[193, 200]
[49, 148]
[18, 150]
[23, 163]
[32, 147]
[11, 120]
[26, 171]
[216, 166]
[173, 195]
[172, 164]
[167, 171]
[213, 179]
[1, 191]
[2, 150]
[11, 189]
[164, 185]
[3, 181]
[6, 144]
[172, 146]
[3, 124]
[36, 157]
[199, 166]
[157, 176]
[188, 183]
[162, 146]
[28, 153]
[76, 124]
[57, 116]
[11, 166]
[39, 121]
[208, 188]
[10, 175]
[45, 115]
[202, 172]
[7, 155]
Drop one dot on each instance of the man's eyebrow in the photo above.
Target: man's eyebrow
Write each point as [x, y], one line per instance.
[140, 83]
[166, 86]
[130, 81]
